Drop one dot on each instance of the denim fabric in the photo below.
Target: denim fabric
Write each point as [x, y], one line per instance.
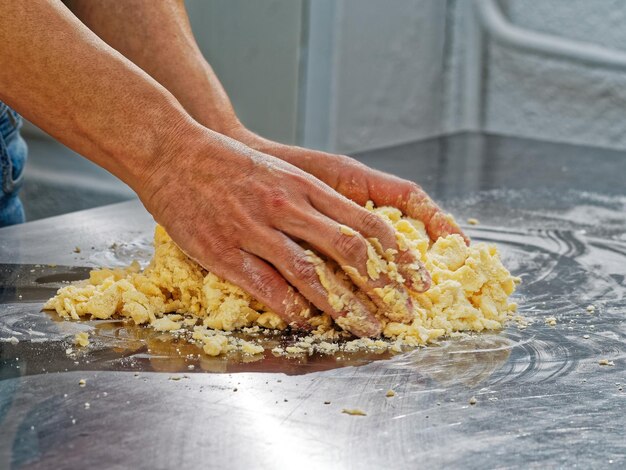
[13, 153]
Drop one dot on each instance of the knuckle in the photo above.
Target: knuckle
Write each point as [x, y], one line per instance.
[304, 269]
[277, 198]
[264, 284]
[372, 224]
[223, 256]
[303, 179]
[351, 247]
[413, 187]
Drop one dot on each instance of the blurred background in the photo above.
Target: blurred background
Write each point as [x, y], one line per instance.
[354, 75]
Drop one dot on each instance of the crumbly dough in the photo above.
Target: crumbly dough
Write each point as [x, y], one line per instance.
[81, 339]
[470, 292]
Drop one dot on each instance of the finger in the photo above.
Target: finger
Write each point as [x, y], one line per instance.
[318, 283]
[381, 234]
[264, 283]
[413, 201]
[370, 272]
[438, 224]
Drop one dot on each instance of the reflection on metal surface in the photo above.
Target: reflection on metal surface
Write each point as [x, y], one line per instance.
[518, 377]
[558, 216]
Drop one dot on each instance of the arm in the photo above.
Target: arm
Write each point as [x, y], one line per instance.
[233, 209]
[157, 37]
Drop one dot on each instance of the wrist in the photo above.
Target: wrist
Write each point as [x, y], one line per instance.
[175, 149]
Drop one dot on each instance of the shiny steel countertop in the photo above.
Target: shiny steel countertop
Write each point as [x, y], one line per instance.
[557, 213]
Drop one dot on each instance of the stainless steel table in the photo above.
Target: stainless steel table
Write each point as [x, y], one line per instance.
[558, 214]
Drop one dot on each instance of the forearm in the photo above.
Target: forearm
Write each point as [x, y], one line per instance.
[63, 78]
[158, 38]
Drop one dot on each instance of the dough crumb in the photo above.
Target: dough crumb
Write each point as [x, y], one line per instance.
[354, 412]
[550, 321]
[606, 362]
[166, 324]
[82, 382]
[473, 221]
[591, 308]
[347, 230]
[390, 393]
[13, 340]
[81, 339]
[473, 401]
[250, 348]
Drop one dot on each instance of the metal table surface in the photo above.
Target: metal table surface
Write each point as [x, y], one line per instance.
[557, 213]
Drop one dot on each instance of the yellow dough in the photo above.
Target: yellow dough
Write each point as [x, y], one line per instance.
[470, 292]
[81, 339]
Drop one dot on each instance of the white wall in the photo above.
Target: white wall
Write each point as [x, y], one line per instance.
[349, 75]
[255, 47]
[554, 99]
[384, 79]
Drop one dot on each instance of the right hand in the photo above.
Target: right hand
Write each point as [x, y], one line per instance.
[243, 215]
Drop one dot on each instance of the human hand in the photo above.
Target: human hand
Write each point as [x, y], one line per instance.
[360, 183]
[244, 216]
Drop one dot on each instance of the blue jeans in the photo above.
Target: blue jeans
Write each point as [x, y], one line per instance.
[13, 153]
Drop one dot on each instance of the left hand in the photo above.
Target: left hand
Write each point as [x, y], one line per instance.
[361, 183]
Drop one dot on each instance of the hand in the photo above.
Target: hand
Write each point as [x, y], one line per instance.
[244, 216]
[360, 183]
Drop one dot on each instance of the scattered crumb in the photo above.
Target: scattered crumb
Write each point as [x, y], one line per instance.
[250, 348]
[81, 339]
[586, 336]
[87, 406]
[166, 324]
[77, 249]
[591, 308]
[390, 393]
[82, 382]
[473, 401]
[473, 221]
[550, 321]
[13, 340]
[606, 362]
[175, 377]
[277, 351]
[354, 412]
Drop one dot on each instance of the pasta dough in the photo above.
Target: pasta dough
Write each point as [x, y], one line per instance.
[470, 292]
